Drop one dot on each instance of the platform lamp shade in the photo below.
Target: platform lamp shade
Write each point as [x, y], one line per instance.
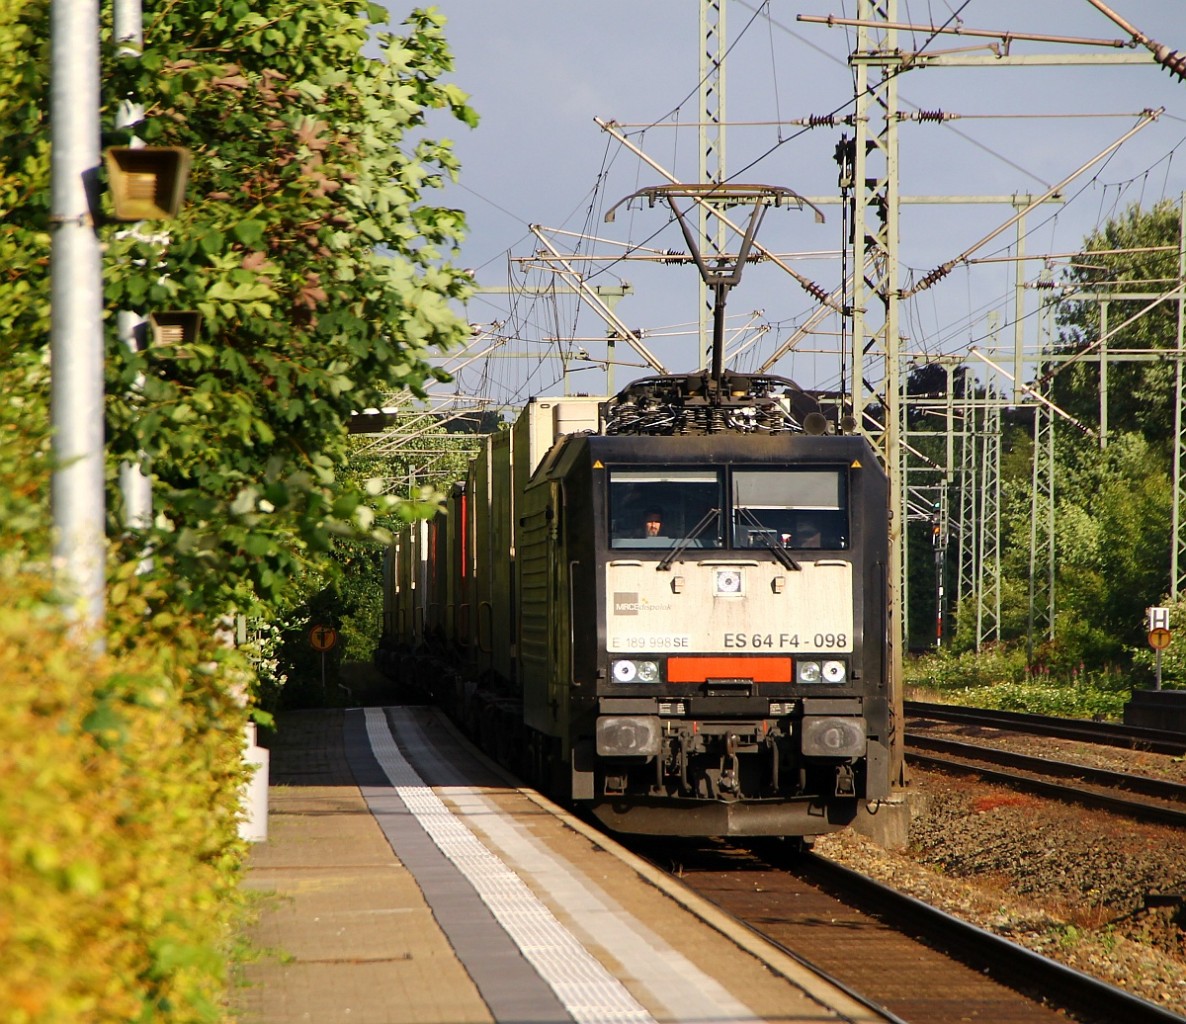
[175, 328]
[148, 182]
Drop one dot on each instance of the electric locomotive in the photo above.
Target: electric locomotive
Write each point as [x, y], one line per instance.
[668, 607]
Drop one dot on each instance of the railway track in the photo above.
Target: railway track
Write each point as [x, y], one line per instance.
[1122, 792]
[1144, 798]
[918, 964]
[1156, 741]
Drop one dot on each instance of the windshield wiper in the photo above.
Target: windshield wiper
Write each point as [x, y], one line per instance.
[766, 534]
[682, 546]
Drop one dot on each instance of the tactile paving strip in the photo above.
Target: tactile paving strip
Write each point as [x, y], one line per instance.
[682, 993]
[586, 990]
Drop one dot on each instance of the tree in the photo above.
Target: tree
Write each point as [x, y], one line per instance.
[24, 295]
[1112, 503]
[1112, 544]
[309, 158]
[1136, 252]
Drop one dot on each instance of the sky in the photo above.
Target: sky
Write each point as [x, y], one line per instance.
[540, 71]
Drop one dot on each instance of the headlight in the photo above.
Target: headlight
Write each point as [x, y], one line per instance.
[628, 671]
[828, 672]
[834, 671]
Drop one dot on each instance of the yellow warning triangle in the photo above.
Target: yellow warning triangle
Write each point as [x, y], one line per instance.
[597, 464]
[856, 464]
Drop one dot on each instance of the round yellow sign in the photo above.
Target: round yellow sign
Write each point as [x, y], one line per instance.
[1159, 639]
[323, 638]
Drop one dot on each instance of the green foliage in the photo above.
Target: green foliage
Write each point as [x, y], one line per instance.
[1112, 501]
[24, 254]
[24, 455]
[360, 576]
[946, 669]
[1059, 701]
[118, 835]
[324, 279]
[307, 164]
[998, 678]
[1069, 936]
[1111, 545]
[1111, 557]
[347, 591]
[360, 590]
[1140, 394]
[322, 275]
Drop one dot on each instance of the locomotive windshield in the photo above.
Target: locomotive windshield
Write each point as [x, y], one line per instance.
[800, 508]
[784, 508]
[658, 508]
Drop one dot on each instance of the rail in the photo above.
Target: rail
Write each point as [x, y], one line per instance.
[1157, 741]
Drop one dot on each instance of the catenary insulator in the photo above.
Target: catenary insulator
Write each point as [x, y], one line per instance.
[1171, 60]
[815, 291]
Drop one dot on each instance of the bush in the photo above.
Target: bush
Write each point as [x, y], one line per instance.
[999, 678]
[119, 841]
[944, 670]
[1060, 701]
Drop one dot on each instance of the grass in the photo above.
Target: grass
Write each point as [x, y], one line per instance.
[998, 679]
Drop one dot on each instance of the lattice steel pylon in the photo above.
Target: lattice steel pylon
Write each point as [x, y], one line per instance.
[902, 509]
[875, 359]
[711, 163]
[967, 528]
[978, 529]
[1178, 535]
[988, 522]
[1040, 622]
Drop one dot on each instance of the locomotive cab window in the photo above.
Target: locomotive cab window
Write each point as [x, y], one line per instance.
[662, 508]
[802, 508]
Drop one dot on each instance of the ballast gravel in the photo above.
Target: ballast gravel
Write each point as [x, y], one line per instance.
[1096, 891]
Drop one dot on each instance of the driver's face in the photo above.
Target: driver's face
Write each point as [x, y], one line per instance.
[653, 527]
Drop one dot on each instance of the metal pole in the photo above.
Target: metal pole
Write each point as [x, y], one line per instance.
[1176, 532]
[134, 483]
[76, 305]
[1036, 510]
[1104, 374]
[712, 150]
[129, 38]
[1019, 313]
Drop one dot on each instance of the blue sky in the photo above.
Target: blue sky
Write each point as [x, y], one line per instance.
[540, 71]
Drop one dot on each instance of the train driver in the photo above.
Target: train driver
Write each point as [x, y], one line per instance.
[653, 522]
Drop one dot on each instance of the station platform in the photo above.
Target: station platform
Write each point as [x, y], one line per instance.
[406, 880]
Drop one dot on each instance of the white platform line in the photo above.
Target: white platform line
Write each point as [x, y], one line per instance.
[589, 992]
[688, 994]
[683, 992]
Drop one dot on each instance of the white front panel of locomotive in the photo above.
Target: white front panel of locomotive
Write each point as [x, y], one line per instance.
[729, 606]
